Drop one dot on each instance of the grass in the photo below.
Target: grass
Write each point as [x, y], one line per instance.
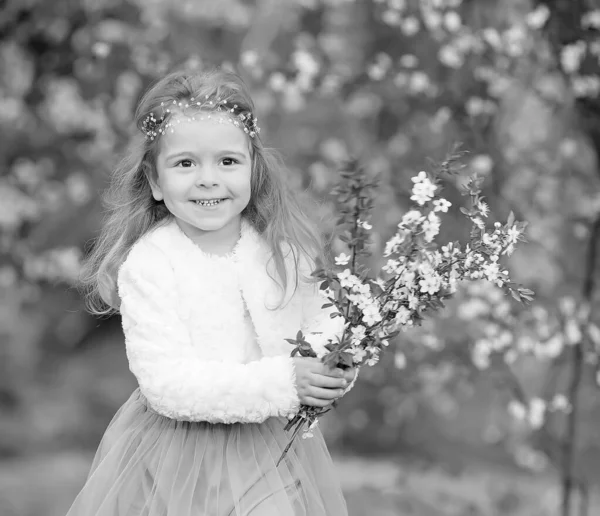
[45, 486]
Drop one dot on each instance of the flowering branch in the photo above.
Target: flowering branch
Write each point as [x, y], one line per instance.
[417, 278]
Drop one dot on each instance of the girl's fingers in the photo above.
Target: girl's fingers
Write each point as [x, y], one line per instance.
[349, 374]
[325, 394]
[328, 382]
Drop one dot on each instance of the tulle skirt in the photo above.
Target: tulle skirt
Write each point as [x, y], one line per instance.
[150, 465]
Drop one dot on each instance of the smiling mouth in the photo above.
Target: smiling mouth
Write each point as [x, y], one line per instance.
[208, 202]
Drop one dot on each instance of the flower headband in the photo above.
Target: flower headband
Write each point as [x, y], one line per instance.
[152, 126]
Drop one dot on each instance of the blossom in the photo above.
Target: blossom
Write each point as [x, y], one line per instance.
[371, 315]
[483, 208]
[358, 334]
[411, 217]
[431, 227]
[478, 222]
[391, 267]
[491, 269]
[392, 245]
[430, 284]
[449, 250]
[358, 352]
[403, 315]
[441, 205]
[413, 302]
[513, 235]
[423, 190]
[342, 259]
[347, 279]
[373, 360]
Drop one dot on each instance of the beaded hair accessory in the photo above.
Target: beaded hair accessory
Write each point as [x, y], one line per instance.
[153, 126]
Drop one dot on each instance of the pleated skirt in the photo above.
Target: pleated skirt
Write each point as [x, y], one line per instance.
[150, 465]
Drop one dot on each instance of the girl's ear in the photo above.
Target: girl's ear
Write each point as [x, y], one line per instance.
[156, 189]
[153, 181]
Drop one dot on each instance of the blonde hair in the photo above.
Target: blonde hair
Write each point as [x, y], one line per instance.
[273, 210]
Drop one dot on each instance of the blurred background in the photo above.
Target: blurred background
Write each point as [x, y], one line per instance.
[490, 408]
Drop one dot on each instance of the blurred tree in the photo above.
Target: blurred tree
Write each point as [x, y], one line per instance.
[393, 81]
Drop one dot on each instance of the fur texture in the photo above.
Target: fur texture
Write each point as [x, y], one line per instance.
[182, 314]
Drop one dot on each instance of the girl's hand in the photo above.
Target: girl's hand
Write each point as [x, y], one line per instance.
[317, 384]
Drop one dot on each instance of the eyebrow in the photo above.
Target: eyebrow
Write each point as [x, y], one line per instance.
[220, 153]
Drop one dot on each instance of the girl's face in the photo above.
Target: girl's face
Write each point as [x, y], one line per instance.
[204, 169]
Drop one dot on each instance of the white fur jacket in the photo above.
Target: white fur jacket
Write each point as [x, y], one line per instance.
[182, 314]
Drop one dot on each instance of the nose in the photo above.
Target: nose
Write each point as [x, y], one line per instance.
[207, 177]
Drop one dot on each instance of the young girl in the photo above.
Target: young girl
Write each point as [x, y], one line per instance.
[206, 255]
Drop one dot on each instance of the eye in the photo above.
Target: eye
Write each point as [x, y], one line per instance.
[230, 161]
[185, 163]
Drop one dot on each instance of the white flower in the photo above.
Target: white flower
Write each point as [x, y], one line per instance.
[478, 222]
[513, 235]
[430, 284]
[347, 279]
[491, 270]
[420, 177]
[441, 205]
[449, 250]
[431, 227]
[358, 334]
[408, 278]
[358, 352]
[423, 190]
[362, 288]
[411, 217]
[483, 208]
[390, 267]
[403, 315]
[373, 360]
[342, 259]
[371, 315]
[392, 245]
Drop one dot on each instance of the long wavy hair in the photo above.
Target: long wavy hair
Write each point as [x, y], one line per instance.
[131, 211]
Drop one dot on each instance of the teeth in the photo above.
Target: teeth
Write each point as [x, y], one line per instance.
[211, 202]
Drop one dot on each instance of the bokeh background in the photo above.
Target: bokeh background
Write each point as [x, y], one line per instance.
[491, 408]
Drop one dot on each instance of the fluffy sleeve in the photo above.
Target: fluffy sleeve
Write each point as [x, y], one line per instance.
[171, 374]
[317, 324]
